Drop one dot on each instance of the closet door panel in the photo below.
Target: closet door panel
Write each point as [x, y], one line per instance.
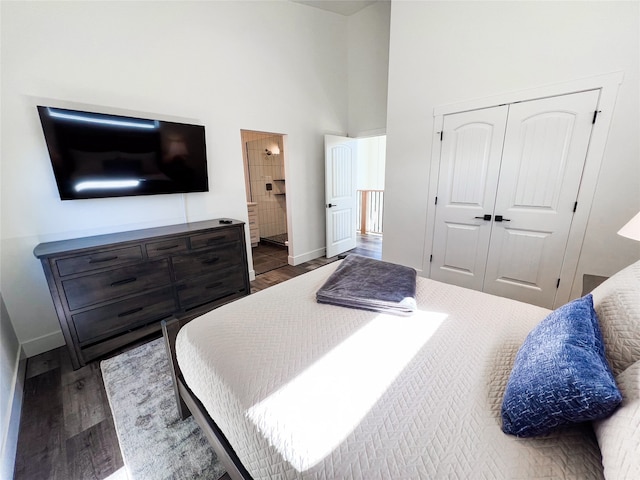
[516, 267]
[467, 181]
[545, 149]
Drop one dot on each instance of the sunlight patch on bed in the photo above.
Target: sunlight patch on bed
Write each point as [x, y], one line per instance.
[308, 418]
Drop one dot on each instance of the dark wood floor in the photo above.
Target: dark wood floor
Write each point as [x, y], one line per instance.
[66, 427]
[267, 257]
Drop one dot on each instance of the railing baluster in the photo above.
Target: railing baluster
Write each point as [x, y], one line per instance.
[369, 211]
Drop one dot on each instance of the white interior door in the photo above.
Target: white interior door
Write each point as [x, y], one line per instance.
[468, 179]
[544, 153]
[340, 194]
[521, 165]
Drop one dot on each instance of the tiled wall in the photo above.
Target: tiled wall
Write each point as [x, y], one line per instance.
[264, 169]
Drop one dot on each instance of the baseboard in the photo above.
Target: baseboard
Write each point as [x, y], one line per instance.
[297, 260]
[10, 441]
[43, 344]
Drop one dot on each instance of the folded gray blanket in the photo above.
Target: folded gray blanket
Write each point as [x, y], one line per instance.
[369, 284]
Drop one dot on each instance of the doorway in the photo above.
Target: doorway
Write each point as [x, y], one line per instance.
[265, 184]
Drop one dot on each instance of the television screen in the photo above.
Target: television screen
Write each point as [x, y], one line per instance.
[97, 155]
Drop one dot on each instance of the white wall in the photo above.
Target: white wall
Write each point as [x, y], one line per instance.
[269, 66]
[368, 68]
[10, 393]
[371, 158]
[448, 52]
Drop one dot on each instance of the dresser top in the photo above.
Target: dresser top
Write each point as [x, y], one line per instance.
[48, 249]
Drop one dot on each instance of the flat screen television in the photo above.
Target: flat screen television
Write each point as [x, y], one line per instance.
[96, 155]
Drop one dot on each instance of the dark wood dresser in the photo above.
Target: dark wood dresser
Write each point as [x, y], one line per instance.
[110, 290]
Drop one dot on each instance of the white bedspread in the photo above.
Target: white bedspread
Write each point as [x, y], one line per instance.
[304, 390]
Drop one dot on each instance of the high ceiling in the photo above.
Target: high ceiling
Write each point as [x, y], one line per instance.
[343, 7]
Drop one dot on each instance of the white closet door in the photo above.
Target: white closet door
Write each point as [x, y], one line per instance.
[467, 182]
[544, 153]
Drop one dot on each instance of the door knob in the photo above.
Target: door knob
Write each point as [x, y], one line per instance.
[486, 217]
[329, 205]
[499, 218]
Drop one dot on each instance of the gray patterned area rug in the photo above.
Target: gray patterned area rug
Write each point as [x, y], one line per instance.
[155, 443]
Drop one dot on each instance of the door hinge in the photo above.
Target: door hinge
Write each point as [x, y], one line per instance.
[595, 115]
[558, 283]
[575, 207]
[430, 258]
[436, 201]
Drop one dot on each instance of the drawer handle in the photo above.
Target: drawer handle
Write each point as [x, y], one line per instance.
[169, 247]
[213, 240]
[210, 261]
[213, 285]
[130, 312]
[105, 259]
[123, 282]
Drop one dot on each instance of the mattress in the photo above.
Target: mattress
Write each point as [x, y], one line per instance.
[306, 390]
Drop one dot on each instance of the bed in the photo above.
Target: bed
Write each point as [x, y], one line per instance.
[288, 388]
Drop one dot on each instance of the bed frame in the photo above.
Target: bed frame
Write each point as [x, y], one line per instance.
[188, 405]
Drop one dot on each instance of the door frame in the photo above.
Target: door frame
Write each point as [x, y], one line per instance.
[608, 84]
[247, 135]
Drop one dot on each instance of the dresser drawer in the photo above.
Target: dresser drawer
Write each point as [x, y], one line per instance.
[196, 292]
[215, 238]
[94, 261]
[124, 315]
[196, 264]
[166, 247]
[91, 289]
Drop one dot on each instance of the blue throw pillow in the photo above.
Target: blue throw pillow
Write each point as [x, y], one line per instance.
[561, 375]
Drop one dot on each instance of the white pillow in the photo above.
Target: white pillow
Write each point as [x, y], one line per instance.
[619, 435]
[617, 303]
